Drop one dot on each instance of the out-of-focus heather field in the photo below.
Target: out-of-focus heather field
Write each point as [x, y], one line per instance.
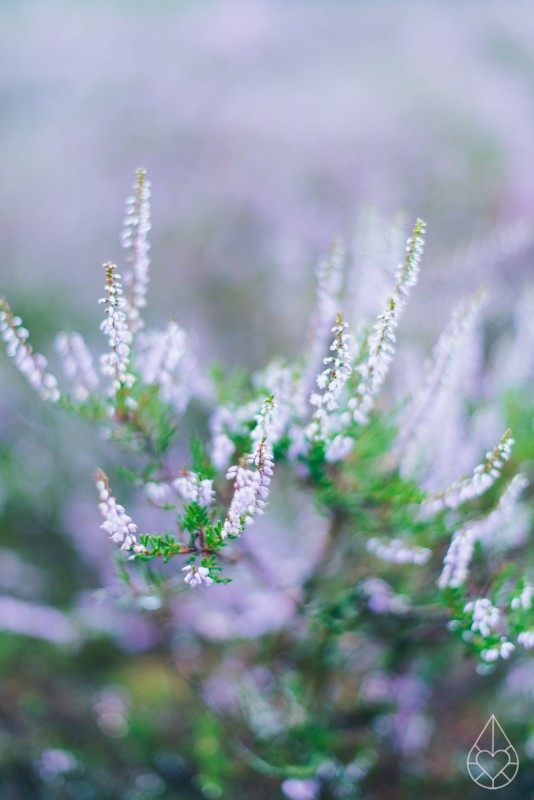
[267, 128]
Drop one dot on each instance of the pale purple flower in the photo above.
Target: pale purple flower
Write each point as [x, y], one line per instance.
[222, 449]
[117, 524]
[331, 382]
[299, 443]
[329, 281]
[54, 763]
[31, 365]
[508, 523]
[77, 363]
[285, 383]
[206, 493]
[160, 494]
[466, 489]
[381, 597]
[115, 363]
[227, 420]
[438, 374]
[300, 789]
[135, 241]
[193, 490]
[163, 359]
[373, 369]
[486, 617]
[378, 245]
[506, 648]
[195, 576]
[338, 448]
[410, 728]
[252, 477]
[458, 558]
[503, 650]
[526, 639]
[525, 598]
[460, 552]
[243, 505]
[396, 551]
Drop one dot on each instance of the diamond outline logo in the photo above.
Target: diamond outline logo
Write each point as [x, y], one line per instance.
[492, 762]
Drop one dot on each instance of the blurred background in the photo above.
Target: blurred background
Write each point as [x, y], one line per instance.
[267, 127]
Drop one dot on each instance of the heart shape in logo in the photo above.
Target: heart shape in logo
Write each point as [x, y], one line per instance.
[493, 764]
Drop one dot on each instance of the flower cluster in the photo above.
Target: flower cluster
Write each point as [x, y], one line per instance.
[438, 373]
[396, 551]
[522, 603]
[160, 494]
[481, 623]
[78, 364]
[329, 281]
[487, 622]
[161, 360]
[458, 558]
[283, 381]
[331, 382]
[460, 552]
[135, 241]
[195, 576]
[251, 486]
[193, 489]
[524, 600]
[226, 423]
[503, 649]
[526, 638]
[486, 617]
[116, 362]
[31, 365]
[373, 369]
[117, 523]
[466, 489]
[380, 597]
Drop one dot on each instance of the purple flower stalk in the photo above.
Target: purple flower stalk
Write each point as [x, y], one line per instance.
[31, 365]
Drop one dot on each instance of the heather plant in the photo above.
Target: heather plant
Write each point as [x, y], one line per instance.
[411, 577]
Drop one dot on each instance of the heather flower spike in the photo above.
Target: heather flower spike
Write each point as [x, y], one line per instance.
[78, 366]
[329, 283]
[486, 622]
[163, 360]
[117, 523]
[373, 369]
[466, 489]
[115, 363]
[331, 381]
[461, 549]
[31, 365]
[437, 371]
[136, 243]
[252, 476]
